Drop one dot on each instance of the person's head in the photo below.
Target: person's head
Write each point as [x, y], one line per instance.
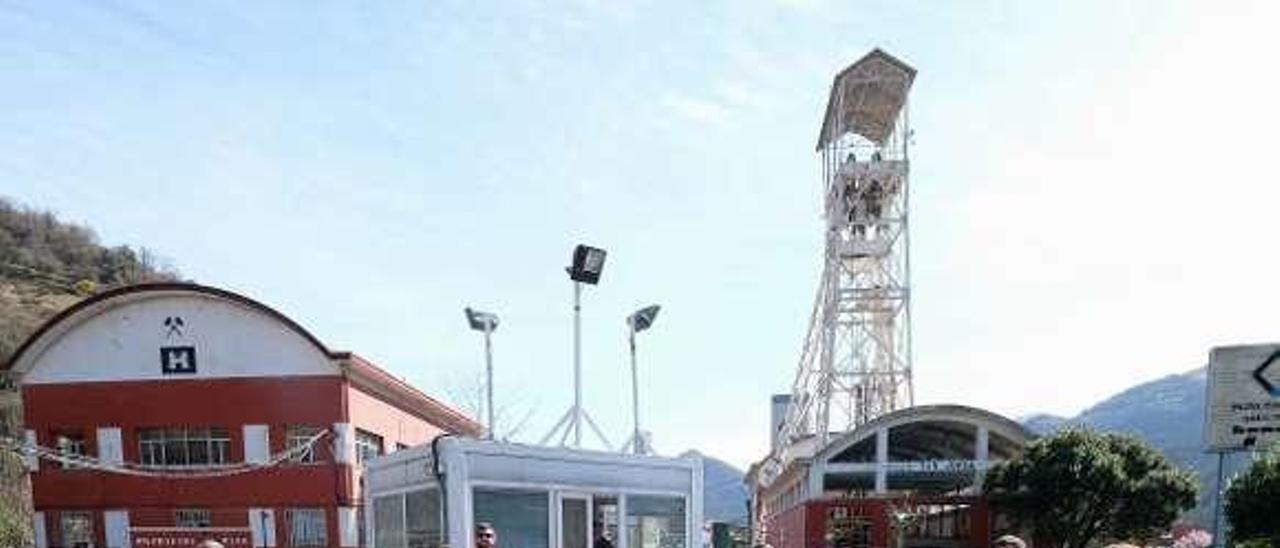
[1009, 541]
[486, 535]
[210, 543]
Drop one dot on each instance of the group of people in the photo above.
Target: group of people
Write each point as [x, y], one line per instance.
[863, 197]
[487, 537]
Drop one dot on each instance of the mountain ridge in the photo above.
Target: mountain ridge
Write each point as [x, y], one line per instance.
[1168, 413]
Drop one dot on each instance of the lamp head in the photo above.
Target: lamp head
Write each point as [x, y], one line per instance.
[643, 318]
[588, 263]
[482, 321]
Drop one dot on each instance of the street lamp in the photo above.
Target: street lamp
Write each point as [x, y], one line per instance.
[588, 263]
[488, 323]
[636, 323]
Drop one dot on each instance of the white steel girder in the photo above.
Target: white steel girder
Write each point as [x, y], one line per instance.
[855, 363]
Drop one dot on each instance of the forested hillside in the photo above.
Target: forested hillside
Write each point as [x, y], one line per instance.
[47, 265]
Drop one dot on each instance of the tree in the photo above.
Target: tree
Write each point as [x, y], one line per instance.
[1253, 502]
[1077, 486]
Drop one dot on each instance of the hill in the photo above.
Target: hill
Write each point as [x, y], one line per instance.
[47, 265]
[1168, 413]
[724, 496]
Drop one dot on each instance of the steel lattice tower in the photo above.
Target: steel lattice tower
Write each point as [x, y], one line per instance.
[856, 361]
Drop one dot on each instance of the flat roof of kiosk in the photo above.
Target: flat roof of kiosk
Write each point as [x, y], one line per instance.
[513, 463]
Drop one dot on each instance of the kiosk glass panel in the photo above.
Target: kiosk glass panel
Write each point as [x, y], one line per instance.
[655, 522]
[388, 518]
[520, 517]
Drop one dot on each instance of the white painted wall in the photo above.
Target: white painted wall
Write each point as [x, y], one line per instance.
[33, 462]
[41, 536]
[257, 443]
[260, 536]
[348, 527]
[110, 446]
[122, 341]
[344, 443]
[116, 526]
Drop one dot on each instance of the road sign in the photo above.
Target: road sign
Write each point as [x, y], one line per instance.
[1243, 405]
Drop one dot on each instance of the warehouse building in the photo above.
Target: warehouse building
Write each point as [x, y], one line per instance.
[162, 414]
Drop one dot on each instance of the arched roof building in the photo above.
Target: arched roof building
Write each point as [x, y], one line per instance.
[164, 379]
[929, 457]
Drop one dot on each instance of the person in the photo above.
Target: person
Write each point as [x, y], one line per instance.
[602, 536]
[486, 535]
[1009, 541]
[210, 543]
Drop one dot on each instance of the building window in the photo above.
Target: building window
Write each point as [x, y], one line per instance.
[521, 517]
[422, 519]
[184, 446]
[368, 445]
[388, 522]
[70, 443]
[76, 529]
[297, 435]
[193, 517]
[307, 527]
[655, 522]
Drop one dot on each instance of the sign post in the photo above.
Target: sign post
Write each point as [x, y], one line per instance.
[1242, 408]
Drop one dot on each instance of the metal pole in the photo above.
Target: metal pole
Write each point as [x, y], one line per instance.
[488, 366]
[576, 421]
[1218, 539]
[635, 396]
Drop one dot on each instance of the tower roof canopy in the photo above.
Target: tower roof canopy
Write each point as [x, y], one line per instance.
[866, 98]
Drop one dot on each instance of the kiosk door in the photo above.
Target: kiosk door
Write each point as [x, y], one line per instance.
[575, 520]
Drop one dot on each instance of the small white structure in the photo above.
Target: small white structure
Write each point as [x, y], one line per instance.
[535, 497]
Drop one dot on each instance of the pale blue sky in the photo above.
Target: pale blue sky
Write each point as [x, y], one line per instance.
[1092, 191]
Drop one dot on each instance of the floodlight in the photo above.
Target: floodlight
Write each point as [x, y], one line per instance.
[643, 318]
[588, 263]
[638, 322]
[487, 323]
[482, 321]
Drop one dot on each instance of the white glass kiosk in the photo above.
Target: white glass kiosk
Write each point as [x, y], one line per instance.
[535, 497]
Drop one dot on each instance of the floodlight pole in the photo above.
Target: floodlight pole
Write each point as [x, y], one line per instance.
[488, 372]
[586, 267]
[576, 421]
[636, 443]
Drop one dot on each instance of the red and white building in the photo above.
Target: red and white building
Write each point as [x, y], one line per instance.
[172, 378]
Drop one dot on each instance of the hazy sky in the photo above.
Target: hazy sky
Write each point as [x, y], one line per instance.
[1093, 187]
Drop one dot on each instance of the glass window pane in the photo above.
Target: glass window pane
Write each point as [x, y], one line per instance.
[221, 449]
[422, 517]
[388, 522]
[573, 523]
[193, 517]
[300, 435]
[307, 527]
[175, 451]
[77, 529]
[604, 522]
[198, 451]
[655, 522]
[518, 516]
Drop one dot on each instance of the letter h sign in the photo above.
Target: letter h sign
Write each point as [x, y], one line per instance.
[177, 360]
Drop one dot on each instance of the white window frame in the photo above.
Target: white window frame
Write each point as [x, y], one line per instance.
[365, 442]
[69, 446]
[219, 445]
[63, 529]
[310, 540]
[298, 434]
[202, 517]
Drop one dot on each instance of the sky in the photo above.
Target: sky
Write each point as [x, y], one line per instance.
[1092, 188]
